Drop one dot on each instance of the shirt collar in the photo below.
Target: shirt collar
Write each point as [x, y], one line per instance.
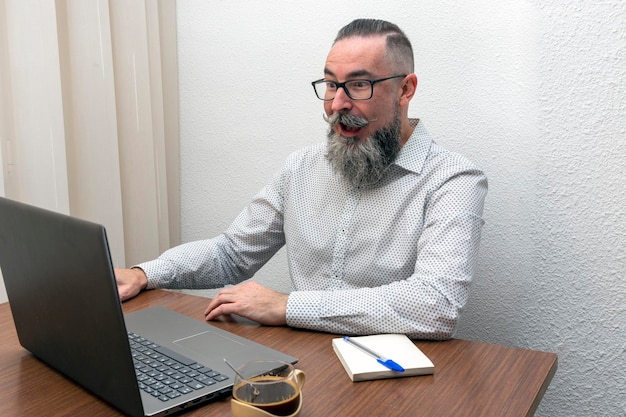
[413, 154]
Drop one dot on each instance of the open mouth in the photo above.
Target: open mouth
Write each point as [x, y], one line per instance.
[347, 130]
[346, 125]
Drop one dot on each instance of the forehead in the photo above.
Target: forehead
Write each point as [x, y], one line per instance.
[357, 56]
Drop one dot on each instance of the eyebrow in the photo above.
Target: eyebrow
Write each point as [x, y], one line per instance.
[353, 74]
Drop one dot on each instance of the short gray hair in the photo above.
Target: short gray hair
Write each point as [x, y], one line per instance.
[399, 49]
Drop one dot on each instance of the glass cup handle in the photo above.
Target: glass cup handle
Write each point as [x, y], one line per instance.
[299, 374]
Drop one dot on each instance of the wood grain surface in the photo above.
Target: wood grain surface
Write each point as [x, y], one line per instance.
[471, 378]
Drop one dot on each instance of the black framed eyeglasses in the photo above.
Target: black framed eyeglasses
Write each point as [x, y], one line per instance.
[355, 89]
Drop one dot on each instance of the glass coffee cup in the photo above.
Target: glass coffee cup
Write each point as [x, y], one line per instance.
[267, 388]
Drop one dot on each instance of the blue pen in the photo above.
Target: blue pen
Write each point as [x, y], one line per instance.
[380, 359]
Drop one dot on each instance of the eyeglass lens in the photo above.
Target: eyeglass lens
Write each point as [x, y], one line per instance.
[356, 89]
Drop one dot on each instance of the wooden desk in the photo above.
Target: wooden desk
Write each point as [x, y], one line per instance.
[471, 378]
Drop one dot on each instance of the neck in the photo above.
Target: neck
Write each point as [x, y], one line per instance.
[406, 130]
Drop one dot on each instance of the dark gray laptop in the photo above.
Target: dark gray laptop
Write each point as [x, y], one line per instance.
[61, 288]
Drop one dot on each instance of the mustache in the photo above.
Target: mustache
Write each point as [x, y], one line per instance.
[346, 119]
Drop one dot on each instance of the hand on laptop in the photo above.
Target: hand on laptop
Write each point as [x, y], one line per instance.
[250, 300]
[130, 282]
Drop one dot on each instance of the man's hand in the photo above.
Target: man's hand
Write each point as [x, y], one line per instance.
[250, 300]
[130, 282]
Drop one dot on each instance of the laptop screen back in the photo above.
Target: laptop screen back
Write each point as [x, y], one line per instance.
[65, 312]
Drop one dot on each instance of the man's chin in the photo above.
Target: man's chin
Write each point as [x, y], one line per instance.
[349, 142]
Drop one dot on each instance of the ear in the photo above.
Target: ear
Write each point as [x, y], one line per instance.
[409, 86]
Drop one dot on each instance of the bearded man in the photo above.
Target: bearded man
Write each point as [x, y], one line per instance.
[381, 225]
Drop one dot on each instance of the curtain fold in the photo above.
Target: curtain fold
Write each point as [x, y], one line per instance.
[89, 116]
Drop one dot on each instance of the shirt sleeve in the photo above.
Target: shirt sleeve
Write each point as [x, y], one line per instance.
[427, 304]
[232, 257]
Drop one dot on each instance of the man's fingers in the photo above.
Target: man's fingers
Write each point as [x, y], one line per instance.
[220, 299]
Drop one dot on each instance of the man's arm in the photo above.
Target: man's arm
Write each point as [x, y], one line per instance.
[227, 259]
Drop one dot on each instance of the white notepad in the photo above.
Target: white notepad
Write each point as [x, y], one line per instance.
[362, 367]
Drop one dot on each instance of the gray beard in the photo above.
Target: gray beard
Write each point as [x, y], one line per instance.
[363, 163]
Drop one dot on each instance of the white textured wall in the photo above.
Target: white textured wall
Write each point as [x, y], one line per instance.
[535, 92]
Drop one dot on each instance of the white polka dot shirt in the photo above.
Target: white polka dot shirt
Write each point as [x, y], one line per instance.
[397, 258]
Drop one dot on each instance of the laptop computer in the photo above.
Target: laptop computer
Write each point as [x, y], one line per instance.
[63, 296]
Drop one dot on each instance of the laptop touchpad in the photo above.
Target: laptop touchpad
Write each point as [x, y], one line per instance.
[210, 344]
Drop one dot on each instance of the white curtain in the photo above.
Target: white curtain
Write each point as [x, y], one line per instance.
[89, 116]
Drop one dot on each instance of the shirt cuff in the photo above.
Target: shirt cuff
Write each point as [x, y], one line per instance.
[159, 273]
[303, 309]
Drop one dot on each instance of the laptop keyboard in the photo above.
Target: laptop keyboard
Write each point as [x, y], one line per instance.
[165, 374]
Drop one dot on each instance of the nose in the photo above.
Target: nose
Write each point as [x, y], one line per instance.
[341, 101]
